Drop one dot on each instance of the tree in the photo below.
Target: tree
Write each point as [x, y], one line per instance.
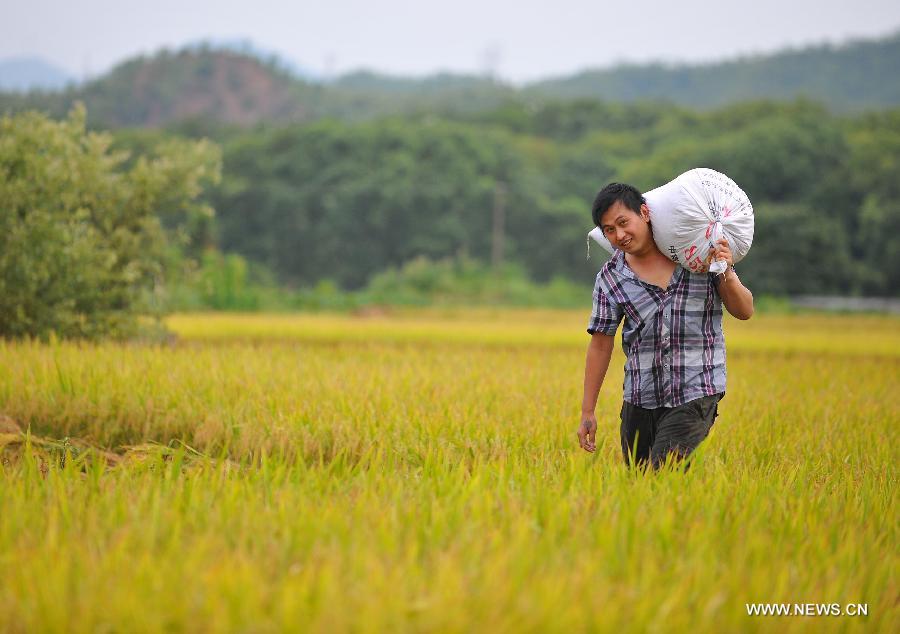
[798, 250]
[83, 241]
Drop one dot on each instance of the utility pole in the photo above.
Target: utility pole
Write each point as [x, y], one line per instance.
[490, 60]
[497, 235]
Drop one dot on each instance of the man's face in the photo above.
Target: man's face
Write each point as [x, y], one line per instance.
[626, 230]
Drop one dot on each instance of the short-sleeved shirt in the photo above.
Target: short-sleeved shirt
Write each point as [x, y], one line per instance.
[672, 338]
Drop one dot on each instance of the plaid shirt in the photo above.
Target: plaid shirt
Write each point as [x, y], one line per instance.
[672, 338]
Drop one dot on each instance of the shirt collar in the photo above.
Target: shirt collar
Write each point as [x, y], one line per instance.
[618, 258]
[619, 265]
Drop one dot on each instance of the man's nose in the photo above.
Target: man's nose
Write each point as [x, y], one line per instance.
[620, 233]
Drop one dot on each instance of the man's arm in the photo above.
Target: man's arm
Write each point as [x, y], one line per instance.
[596, 364]
[737, 298]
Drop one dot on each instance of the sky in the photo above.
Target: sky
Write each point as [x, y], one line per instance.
[517, 41]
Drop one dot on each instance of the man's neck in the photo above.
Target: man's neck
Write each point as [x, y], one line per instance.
[652, 267]
[648, 256]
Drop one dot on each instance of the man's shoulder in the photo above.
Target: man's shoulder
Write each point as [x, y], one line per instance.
[610, 279]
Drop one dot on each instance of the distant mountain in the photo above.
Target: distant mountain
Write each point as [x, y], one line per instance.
[209, 84]
[364, 93]
[249, 48]
[193, 83]
[205, 83]
[202, 83]
[20, 74]
[853, 76]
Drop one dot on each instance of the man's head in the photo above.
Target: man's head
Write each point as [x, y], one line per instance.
[622, 213]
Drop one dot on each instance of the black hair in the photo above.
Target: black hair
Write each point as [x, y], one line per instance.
[616, 192]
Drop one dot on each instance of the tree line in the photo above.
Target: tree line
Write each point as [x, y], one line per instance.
[100, 226]
[344, 201]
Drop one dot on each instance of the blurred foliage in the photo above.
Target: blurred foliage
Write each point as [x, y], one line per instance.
[229, 282]
[84, 241]
[462, 281]
[98, 227]
[345, 201]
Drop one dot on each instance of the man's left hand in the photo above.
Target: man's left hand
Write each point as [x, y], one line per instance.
[587, 432]
[721, 252]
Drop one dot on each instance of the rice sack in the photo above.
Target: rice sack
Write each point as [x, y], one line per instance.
[689, 214]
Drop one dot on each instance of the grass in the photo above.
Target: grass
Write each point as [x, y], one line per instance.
[419, 471]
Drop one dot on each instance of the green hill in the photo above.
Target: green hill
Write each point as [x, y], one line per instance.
[194, 83]
[854, 76]
[214, 85]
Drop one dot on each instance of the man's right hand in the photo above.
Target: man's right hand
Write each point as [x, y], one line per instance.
[587, 432]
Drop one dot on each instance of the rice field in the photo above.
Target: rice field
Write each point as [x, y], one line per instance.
[419, 471]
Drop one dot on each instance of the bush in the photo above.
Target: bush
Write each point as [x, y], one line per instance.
[227, 282]
[83, 243]
[465, 281]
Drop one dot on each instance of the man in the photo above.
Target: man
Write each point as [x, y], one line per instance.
[672, 336]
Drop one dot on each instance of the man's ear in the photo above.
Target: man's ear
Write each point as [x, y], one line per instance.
[645, 213]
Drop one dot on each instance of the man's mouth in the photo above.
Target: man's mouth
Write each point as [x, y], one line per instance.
[625, 243]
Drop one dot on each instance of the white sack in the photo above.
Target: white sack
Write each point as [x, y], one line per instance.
[689, 214]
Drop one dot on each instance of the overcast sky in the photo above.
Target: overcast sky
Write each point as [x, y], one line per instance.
[519, 40]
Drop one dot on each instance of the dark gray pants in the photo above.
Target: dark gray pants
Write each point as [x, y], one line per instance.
[652, 434]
